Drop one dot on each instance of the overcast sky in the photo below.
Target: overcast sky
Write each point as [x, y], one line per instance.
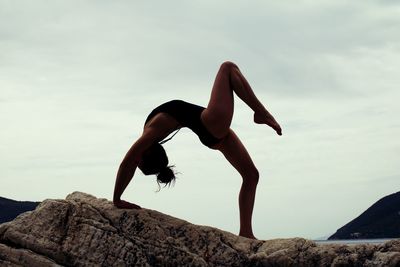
[78, 78]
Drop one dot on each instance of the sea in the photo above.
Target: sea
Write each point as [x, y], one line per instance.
[355, 241]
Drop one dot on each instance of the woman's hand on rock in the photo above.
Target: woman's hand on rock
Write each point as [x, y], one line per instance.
[122, 204]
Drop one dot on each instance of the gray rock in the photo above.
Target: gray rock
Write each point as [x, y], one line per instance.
[86, 231]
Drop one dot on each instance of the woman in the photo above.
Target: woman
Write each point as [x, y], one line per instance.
[212, 125]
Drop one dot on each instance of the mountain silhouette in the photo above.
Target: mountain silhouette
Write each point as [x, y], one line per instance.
[9, 209]
[381, 220]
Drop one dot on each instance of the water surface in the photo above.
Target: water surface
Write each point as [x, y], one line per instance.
[354, 241]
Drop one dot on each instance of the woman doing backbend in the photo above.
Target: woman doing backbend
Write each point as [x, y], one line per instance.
[212, 125]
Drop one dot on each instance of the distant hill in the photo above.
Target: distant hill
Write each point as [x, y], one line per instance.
[9, 209]
[381, 220]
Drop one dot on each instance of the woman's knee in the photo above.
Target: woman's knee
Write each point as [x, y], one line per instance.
[228, 65]
[251, 176]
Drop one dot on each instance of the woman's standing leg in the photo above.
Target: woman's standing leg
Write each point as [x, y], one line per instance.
[235, 152]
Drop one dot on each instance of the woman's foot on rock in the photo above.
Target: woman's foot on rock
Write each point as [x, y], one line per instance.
[250, 236]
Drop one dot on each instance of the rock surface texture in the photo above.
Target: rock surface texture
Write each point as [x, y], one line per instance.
[86, 231]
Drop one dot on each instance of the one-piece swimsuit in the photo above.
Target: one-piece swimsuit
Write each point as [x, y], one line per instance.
[187, 115]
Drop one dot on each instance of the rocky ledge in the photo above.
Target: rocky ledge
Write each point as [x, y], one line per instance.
[86, 231]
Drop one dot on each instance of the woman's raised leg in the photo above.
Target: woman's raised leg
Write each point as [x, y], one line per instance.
[217, 117]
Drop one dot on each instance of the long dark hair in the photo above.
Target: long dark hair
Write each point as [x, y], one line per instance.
[155, 161]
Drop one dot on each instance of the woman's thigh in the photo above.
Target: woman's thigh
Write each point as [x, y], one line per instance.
[217, 117]
[236, 153]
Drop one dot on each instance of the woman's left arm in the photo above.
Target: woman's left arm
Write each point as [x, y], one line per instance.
[128, 166]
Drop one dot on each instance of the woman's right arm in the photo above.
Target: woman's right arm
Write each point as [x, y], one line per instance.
[128, 166]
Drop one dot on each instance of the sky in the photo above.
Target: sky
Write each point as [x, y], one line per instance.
[78, 79]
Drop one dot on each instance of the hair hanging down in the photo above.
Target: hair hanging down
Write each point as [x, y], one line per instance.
[166, 176]
[155, 161]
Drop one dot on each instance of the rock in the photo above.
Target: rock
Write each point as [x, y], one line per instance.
[86, 231]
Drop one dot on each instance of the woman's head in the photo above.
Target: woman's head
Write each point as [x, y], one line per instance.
[155, 161]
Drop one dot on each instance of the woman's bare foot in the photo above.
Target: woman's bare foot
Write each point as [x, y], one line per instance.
[251, 236]
[266, 118]
[122, 204]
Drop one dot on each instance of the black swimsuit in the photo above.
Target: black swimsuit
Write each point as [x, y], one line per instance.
[188, 115]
